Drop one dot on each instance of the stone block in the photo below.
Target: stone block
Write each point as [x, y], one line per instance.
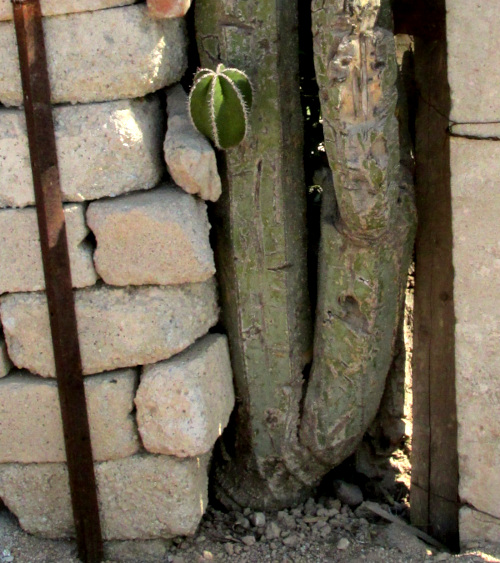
[475, 169]
[5, 363]
[30, 420]
[140, 497]
[476, 526]
[21, 266]
[473, 59]
[103, 55]
[155, 237]
[103, 150]
[58, 7]
[168, 8]
[184, 403]
[189, 155]
[117, 327]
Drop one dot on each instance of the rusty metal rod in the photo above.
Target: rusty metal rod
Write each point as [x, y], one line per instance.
[56, 265]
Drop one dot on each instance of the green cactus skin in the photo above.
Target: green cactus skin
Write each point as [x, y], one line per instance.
[219, 105]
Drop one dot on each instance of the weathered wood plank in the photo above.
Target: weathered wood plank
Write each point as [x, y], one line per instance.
[434, 493]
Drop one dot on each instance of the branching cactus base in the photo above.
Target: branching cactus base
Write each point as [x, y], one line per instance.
[290, 430]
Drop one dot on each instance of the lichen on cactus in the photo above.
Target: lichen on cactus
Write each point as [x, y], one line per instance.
[219, 105]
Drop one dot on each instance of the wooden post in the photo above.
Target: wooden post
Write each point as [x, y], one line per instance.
[59, 288]
[434, 489]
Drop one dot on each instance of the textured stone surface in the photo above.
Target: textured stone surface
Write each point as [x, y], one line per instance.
[103, 150]
[189, 155]
[168, 8]
[57, 7]
[184, 403]
[141, 497]
[5, 363]
[154, 237]
[30, 420]
[117, 327]
[475, 169]
[477, 526]
[103, 55]
[473, 59]
[20, 255]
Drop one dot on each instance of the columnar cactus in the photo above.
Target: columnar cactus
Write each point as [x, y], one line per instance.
[219, 105]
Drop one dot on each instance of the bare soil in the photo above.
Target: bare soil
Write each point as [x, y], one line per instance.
[313, 532]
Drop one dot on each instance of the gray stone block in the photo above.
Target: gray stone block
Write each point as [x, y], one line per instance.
[117, 327]
[155, 237]
[475, 169]
[473, 60]
[477, 526]
[183, 404]
[140, 497]
[5, 363]
[21, 266]
[30, 420]
[102, 55]
[189, 155]
[103, 150]
[57, 7]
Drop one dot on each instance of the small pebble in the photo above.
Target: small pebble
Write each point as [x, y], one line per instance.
[325, 531]
[258, 519]
[291, 541]
[348, 493]
[273, 531]
[249, 540]
[208, 556]
[343, 544]
[229, 547]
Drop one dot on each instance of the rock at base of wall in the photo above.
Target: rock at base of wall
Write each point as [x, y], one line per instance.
[117, 327]
[21, 266]
[184, 403]
[58, 7]
[30, 420]
[103, 55]
[189, 155]
[103, 150]
[155, 237]
[168, 8]
[140, 497]
[5, 363]
[477, 526]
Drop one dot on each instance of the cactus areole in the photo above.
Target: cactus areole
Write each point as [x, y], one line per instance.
[219, 105]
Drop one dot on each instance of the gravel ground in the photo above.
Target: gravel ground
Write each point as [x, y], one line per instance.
[323, 531]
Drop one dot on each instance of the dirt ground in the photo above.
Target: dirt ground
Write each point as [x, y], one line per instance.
[323, 531]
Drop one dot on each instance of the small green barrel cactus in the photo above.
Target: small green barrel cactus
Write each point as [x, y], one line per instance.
[219, 105]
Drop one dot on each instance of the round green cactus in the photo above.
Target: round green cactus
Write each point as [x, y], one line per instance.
[219, 105]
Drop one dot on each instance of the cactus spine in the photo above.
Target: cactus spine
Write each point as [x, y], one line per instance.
[219, 105]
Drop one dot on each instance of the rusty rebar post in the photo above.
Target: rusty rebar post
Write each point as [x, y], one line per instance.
[59, 290]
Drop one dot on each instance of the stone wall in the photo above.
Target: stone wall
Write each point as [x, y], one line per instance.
[473, 63]
[158, 384]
